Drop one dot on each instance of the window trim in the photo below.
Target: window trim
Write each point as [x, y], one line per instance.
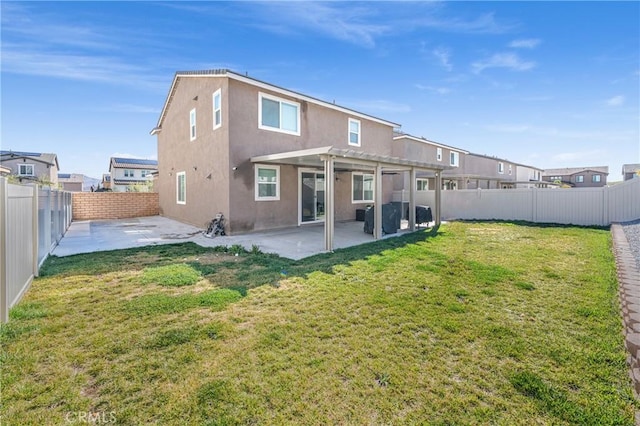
[257, 167]
[500, 167]
[453, 155]
[126, 174]
[213, 107]
[580, 179]
[184, 200]
[373, 190]
[593, 178]
[33, 169]
[510, 169]
[192, 125]
[280, 101]
[424, 188]
[439, 154]
[359, 133]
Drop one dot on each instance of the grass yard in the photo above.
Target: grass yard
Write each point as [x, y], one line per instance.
[479, 323]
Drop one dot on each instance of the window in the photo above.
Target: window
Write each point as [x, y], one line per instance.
[595, 178]
[579, 178]
[439, 154]
[267, 182]
[192, 124]
[501, 168]
[510, 169]
[422, 185]
[362, 188]
[181, 188]
[453, 158]
[354, 132]
[144, 173]
[26, 170]
[278, 115]
[217, 109]
[128, 173]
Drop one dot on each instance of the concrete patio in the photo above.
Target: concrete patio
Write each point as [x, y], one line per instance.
[293, 243]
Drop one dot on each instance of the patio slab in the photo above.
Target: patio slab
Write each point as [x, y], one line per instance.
[293, 243]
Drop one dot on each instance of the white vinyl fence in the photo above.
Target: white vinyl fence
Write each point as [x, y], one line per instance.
[32, 222]
[575, 206]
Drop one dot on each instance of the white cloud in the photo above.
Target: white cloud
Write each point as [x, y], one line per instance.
[590, 156]
[528, 43]
[438, 90]
[503, 60]
[444, 56]
[615, 101]
[508, 128]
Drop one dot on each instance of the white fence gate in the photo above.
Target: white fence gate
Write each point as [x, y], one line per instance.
[32, 222]
[576, 206]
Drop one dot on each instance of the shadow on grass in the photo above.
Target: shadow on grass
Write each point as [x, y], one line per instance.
[229, 267]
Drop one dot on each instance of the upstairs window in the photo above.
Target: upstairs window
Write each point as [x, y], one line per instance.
[501, 168]
[181, 188]
[128, 173]
[26, 170]
[192, 124]
[510, 169]
[362, 188]
[422, 185]
[454, 158]
[145, 173]
[217, 109]
[267, 183]
[439, 154]
[278, 115]
[595, 178]
[579, 178]
[354, 132]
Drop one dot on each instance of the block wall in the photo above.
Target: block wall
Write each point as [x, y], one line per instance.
[114, 205]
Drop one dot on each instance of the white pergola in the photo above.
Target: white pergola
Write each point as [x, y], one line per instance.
[330, 158]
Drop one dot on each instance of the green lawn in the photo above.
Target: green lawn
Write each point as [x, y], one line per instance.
[479, 323]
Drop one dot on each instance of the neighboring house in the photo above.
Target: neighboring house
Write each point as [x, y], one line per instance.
[31, 166]
[409, 146]
[106, 181]
[127, 173]
[4, 171]
[267, 157]
[468, 170]
[578, 177]
[630, 171]
[71, 181]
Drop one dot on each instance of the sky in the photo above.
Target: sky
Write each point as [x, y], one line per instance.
[547, 84]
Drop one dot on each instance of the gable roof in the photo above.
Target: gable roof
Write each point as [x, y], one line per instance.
[568, 171]
[44, 158]
[218, 73]
[133, 163]
[427, 141]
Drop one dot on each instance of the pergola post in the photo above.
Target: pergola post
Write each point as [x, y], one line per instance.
[412, 199]
[438, 198]
[377, 213]
[329, 217]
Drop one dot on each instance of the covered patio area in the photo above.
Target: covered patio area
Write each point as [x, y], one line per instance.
[330, 160]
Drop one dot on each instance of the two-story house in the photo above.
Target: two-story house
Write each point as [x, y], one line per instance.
[578, 177]
[268, 157]
[127, 173]
[73, 182]
[31, 166]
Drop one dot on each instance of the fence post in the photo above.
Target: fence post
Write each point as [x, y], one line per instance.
[34, 228]
[534, 204]
[605, 206]
[4, 299]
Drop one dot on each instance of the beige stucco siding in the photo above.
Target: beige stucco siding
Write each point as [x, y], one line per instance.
[204, 160]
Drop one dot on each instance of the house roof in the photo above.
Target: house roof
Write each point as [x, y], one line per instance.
[133, 163]
[427, 141]
[44, 158]
[218, 73]
[70, 177]
[346, 158]
[491, 157]
[630, 168]
[568, 171]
